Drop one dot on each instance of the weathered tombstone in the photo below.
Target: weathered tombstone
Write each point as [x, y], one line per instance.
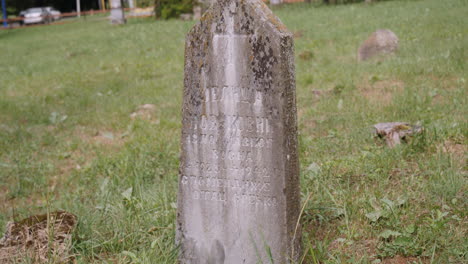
[381, 42]
[131, 5]
[186, 16]
[117, 15]
[239, 197]
[276, 2]
[197, 12]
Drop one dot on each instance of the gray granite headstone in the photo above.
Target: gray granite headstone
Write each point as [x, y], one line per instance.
[238, 199]
[276, 2]
[381, 42]
[197, 12]
[117, 15]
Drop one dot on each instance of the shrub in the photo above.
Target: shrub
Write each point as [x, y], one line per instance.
[166, 9]
[145, 3]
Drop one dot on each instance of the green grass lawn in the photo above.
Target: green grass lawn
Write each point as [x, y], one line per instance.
[67, 140]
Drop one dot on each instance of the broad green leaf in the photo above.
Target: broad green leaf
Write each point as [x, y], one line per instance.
[403, 241]
[388, 202]
[373, 202]
[127, 194]
[374, 216]
[410, 229]
[130, 255]
[389, 233]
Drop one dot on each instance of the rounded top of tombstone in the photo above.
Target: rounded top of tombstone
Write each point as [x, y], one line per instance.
[249, 13]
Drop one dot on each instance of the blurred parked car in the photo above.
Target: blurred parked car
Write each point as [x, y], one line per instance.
[21, 15]
[54, 12]
[37, 15]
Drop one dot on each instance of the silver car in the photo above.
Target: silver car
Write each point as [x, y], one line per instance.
[37, 15]
[53, 12]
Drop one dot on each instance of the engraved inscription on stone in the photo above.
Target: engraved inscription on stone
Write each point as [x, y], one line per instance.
[238, 181]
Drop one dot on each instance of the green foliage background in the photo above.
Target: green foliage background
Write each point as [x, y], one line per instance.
[166, 9]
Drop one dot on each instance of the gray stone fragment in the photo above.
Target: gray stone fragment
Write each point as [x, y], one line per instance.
[394, 132]
[239, 197]
[186, 16]
[381, 42]
[131, 5]
[197, 12]
[117, 15]
[276, 2]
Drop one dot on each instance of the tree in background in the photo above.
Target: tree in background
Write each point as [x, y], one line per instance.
[166, 9]
[144, 3]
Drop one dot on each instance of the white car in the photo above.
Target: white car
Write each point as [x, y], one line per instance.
[36, 15]
[54, 12]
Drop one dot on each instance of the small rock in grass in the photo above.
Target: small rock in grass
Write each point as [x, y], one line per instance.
[298, 34]
[107, 135]
[186, 17]
[306, 55]
[319, 93]
[381, 42]
[145, 111]
[394, 132]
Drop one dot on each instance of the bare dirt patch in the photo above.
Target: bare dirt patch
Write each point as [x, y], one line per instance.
[84, 154]
[145, 112]
[101, 137]
[454, 148]
[41, 238]
[4, 191]
[380, 92]
[403, 260]
[438, 100]
[359, 248]
[447, 82]
[298, 34]
[306, 55]
[458, 150]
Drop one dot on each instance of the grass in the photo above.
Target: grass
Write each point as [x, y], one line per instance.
[67, 141]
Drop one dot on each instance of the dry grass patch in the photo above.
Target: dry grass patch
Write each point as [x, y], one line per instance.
[445, 82]
[457, 150]
[404, 260]
[380, 92]
[42, 238]
[107, 138]
[298, 34]
[360, 248]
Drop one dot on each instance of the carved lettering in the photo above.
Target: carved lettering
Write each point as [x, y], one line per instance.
[238, 176]
[229, 123]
